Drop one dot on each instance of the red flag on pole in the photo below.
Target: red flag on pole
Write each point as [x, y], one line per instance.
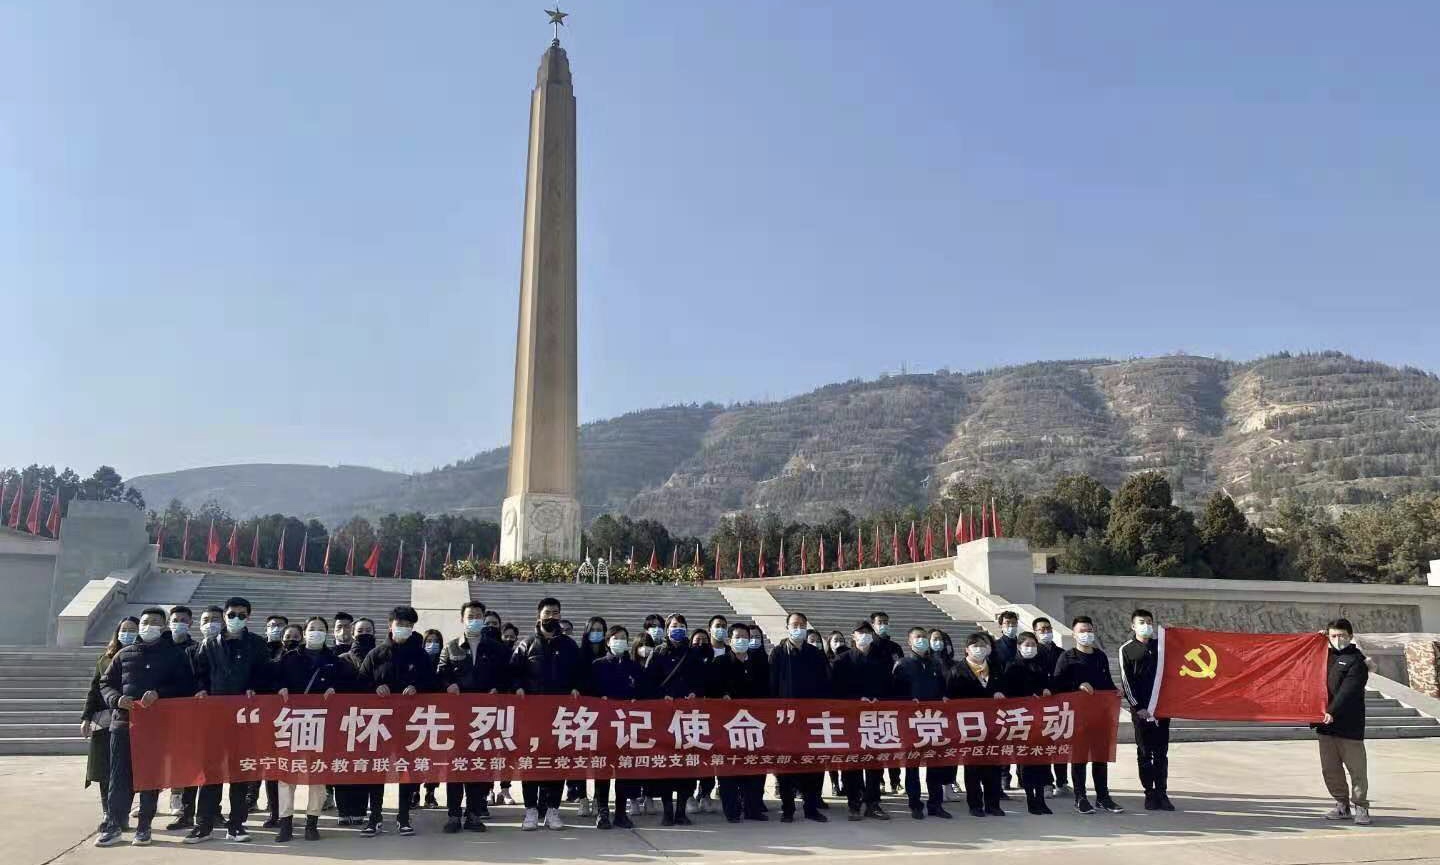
[325, 562]
[4, 488]
[233, 547]
[674, 556]
[447, 556]
[495, 553]
[52, 522]
[995, 518]
[859, 548]
[697, 555]
[280, 550]
[912, 547]
[875, 549]
[399, 560]
[840, 552]
[782, 555]
[894, 543]
[15, 505]
[212, 544]
[929, 542]
[350, 559]
[32, 520]
[822, 554]
[372, 561]
[424, 559]
[740, 562]
[304, 550]
[1222, 676]
[947, 535]
[654, 559]
[185, 543]
[717, 563]
[804, 565]
[255, 547]
[984, 522]
[160, 541]
[760, 563]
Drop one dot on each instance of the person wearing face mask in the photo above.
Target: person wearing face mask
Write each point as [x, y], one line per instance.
[308, 667]
[1004, 650]
[290, 639]
[655, 627]
[944, 651]
[739, 673]
[920, 676]
[799, 671]
[1086, 668]
[864, 674]
[507, 635]
[474, 663]
[399, 665]
[645, 791]
[95, 720]
[835, 646]
[344, 632]
[546, 662]
[616, 676]
[233, 663]
[1029, 676]
[880, 621]
[274, 631]
[677, 670]
[975, 677]
[592, 648]
[1139, 662]
[182, 802]
[148, 669]
[1048, 654]
[813, 637]
[1342, 733]
[357, 637]
[434, 645]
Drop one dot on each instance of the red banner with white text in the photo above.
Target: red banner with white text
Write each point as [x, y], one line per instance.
[369, 739]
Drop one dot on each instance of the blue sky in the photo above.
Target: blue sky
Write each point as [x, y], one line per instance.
[270, 231]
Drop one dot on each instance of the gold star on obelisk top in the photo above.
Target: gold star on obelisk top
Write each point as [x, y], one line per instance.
[557, 18]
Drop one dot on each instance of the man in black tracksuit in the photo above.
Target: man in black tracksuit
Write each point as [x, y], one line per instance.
[1049, 656]
[141, 673]
[799, 671]
[1139, 662]
[475, 663]
[921, 676]
[546, 662]
[1086, 668]
[399, 664]
[742, 673]
[864, 673]
[1342, 734]
[232, 663]
[880, 621]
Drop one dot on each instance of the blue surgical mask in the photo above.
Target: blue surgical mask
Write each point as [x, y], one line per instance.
[920, 644]
[1085, 639]
[234, 625]
[937, 645]
[798, 634]
[179, 630]
[882, 630]
[619, 646]
[597, 637]
[740, 645]
[273, 633]
[474, 626]
[1046, 637]
[655, 632]
[678, 634]
[1010, 630]
[1144, 630]
[127, 638]
[718, 633]
[432, 648]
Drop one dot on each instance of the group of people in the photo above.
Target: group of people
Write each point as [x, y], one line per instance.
[156, 655]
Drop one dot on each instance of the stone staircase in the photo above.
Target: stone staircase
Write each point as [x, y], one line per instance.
[42, 693]
[300, 596]
[839, 610]
[626, 605]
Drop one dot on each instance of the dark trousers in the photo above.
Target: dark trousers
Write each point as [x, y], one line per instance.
[624, 791]
[474, 794]
[742, 795]
[982, 786]
[117, 806]
[807, 785]
[894, 773]
[408, 792]
[208, 806]
[371, 800]
[1060, 774]
[1102, 779]
[707, 786]
[1152, 753]
[187, 802]
[542, 795]
[1034, 777]
[837, 785]
[936, 777]
[272, 798]
[862, 787]
[351, 800]
[574, 790]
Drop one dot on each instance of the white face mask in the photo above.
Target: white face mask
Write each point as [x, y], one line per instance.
[740, 645]
[656, 632]
[643, 652]
[314, 639]
[1046, 637]
[211, 628]
[619, 646]
[1028, 651]
[797, 635]
[179, 630]
[150, 633]
[863, 641]
[978, 654]
[1010, 630]
[1144, 630]
[273, 633]
[401, 633]
[1339, 644]
[1085, 638]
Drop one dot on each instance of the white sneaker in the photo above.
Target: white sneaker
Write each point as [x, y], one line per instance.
[553, 820]
[506, 798]
[238, 837]
[1362, 816]
[1341, 811]
[177, 804]
[531, 821]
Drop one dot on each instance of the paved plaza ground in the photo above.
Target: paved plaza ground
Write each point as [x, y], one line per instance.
[1240, 803]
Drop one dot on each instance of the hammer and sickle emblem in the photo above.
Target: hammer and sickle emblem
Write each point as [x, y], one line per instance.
[1204, 669]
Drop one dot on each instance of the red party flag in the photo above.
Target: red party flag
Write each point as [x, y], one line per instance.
[52, 523]
[947, 535]
[697, 555]
[447, 556]
[822, 554]
[782, 555]
[280, 550]
[674, 556]
[160, 541]
[350, 558]
[15, 505]
[32, 520]
[424, 559]
[984, 522]
[372, 561]
[4, 488]
[894, 543]
[929, 542]
[804, 565]
[304, 550]
[760, 564]
[739, 562]
[910, 545]
[859, 548]
[212, 544]
[875, 550]
[717, 564]
[325, 563]
[255, 547]
[399, 560]
[995, 518]
[654, 559]
[1222, 676]
[234, 546]
[185, 543]
[840, 553]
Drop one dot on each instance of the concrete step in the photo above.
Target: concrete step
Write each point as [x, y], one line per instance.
[10, 694]
[38, 731]
[39, 716]
[70, 745]
[1414, 720]
[61, 681]
[1279, 734]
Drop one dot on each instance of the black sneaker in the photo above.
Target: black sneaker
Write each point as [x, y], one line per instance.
[787, 818]
[875, 812]
[451, 826]
[938, 811]
[404, 827]
[682, 819]
[994, 811]
[622, 821]
[312, 828]
[1004, 796]
[182, 823]
[271, 822]
[483, 812]
[473, 824]
[1109, 805]
[855, 816]
[815, 815]
[1083, 806]
[287, 830]
[977, 811]
[1164, 803]
[1152, 803]
[198, 835]
[917, 812]
[369, 830]
[602, 820]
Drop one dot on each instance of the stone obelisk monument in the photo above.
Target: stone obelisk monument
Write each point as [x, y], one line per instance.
[541, 514]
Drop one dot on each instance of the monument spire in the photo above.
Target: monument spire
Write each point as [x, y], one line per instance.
[541, 514]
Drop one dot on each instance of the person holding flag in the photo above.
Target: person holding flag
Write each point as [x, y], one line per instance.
[1139, 662]
[1342, 732]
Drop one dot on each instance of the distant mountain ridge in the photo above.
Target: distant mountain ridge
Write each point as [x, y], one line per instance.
[1325, 426]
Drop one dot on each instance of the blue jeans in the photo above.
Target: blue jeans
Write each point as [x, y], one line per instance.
[117, 807]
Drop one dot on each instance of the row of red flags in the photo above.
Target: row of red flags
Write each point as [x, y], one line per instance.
[371, 563]
[32, 522]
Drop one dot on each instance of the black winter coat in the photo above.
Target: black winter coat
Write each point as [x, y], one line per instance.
[400, 665]
[314, 671]
[1345, 680]
[541, 666]
[799, 672]
[677, 670]
[857, 674]
[618, 677]
[234, 666]
[963, 683]
[920, 677]
[1076, 668]
[738, 678]
[1026, 678]
[486, 668]
[160, 666]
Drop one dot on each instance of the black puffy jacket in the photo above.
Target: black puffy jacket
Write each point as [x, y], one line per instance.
[1345, 680]
[547, 666]
[160, 666]
[482, 670]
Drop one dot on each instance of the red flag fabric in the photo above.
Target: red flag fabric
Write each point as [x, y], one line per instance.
[15, 506]
[929, 542]
[947, 535]
[424, 559]
[760, 562]
[674, 556]
[822, 554]
[182, 742]
[447, 554]
[984, 522]
[471, 557]
[304, 551]
[875, 550]
[739, 562]
[859, 548]
[234, 546]
[804, 565]
[495, 553]
[717, 563]
[212, 544]
[280, 550]
[399, 560]
[350, 558]
[995, 518]
[840, 553]
[160, 541]
[255, 547]
[325, 562]
[185, 543]
[654, 559]
[372, 561]
[1225, 676]
[697, 555]
[894, 543]
[4, 489]
[782, 555]
[912, 546]
[32, 520]
[52, 522]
